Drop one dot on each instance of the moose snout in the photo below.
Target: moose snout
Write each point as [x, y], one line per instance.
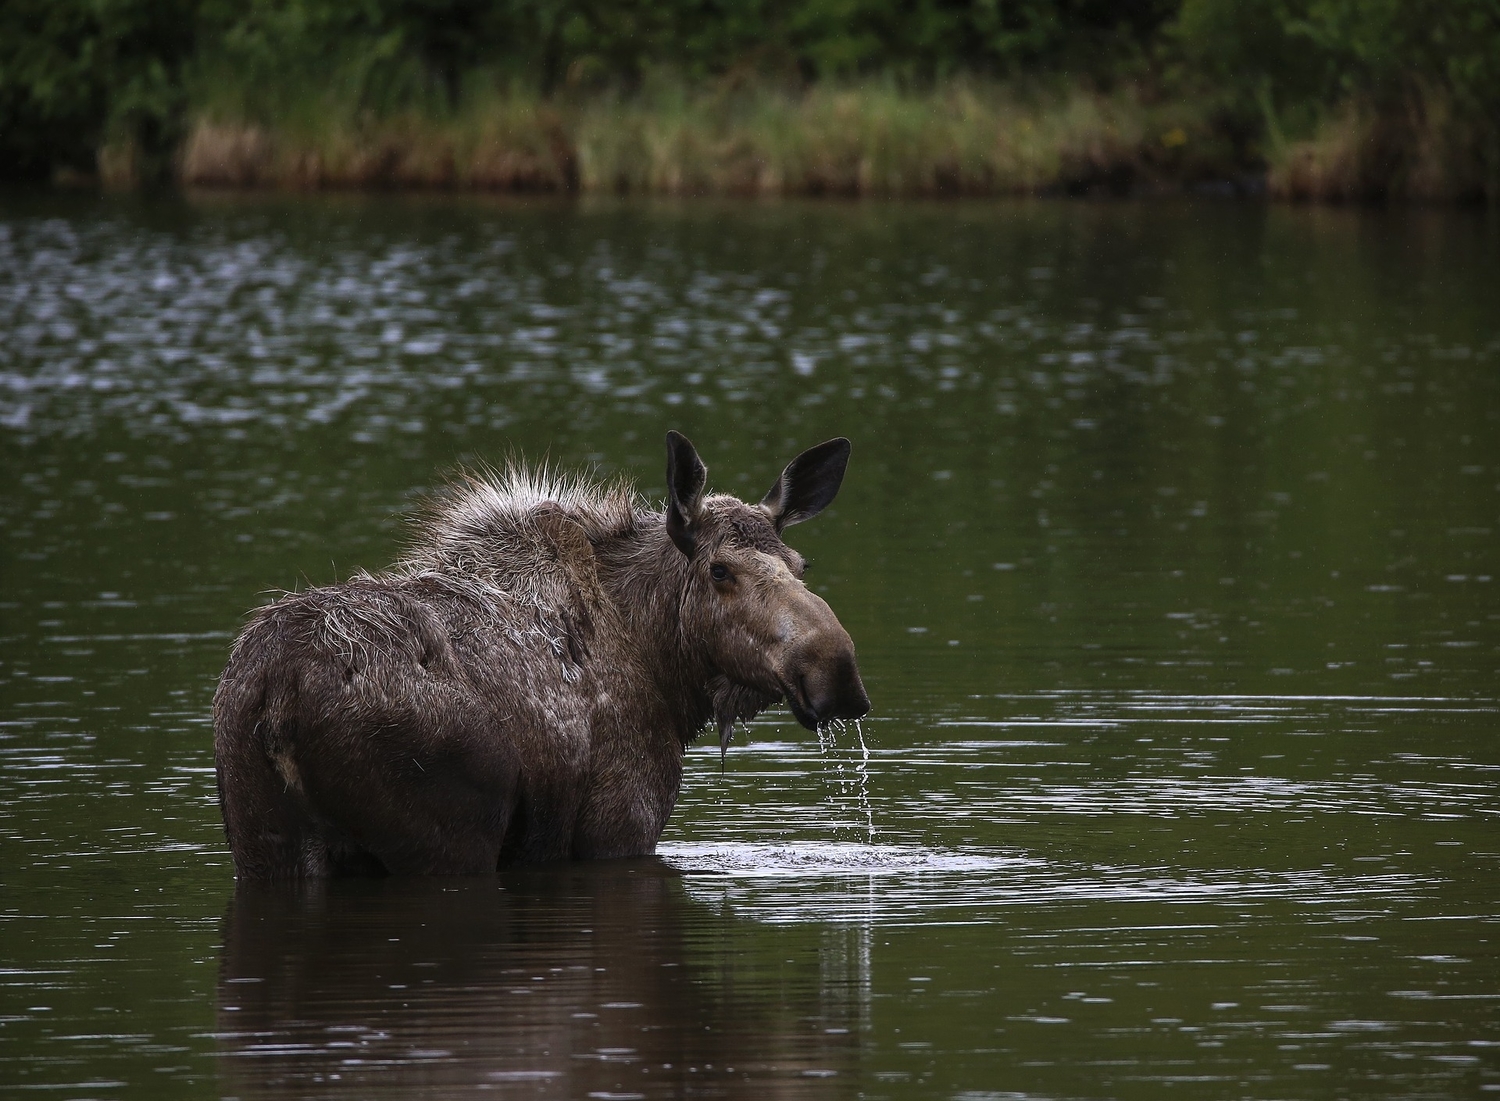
[829, 689]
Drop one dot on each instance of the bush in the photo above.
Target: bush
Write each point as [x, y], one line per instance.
[1358, 98]
[76, 75]
[1407, 92]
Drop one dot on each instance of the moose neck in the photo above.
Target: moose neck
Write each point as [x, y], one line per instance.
[647, 578]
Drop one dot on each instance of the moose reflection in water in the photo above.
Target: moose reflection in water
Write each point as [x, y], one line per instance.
[578, 980]
[522, 685]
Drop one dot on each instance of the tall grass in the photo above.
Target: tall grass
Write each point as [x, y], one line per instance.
[1420, 148]
[876, 138]
[962, 137]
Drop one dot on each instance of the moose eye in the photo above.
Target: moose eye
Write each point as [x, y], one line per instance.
[719, 572]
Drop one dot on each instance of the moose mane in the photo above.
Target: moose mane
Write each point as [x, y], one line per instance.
[490, 523]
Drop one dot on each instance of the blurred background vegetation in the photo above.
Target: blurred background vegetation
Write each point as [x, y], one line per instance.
[1323, 99]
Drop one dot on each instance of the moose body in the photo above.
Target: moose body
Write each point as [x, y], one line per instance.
[521, 686]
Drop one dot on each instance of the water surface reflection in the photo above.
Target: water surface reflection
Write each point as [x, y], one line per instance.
[1168, 546]
[597, 981]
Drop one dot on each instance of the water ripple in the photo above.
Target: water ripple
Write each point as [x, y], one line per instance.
[913, 885]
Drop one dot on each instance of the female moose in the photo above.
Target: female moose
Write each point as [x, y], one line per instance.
[522, 684]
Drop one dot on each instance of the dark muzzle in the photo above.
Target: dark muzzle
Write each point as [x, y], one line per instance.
[828, 690]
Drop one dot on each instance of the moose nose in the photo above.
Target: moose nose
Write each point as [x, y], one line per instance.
[839, 694]
[852, 704]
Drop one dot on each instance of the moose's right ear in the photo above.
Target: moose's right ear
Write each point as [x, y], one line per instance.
[808, 485]
[686, 477]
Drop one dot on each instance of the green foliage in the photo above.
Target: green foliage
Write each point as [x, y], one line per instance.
[1357, 98]
[1322, 51]
[75, 73]
[78, 77]
[555, 42]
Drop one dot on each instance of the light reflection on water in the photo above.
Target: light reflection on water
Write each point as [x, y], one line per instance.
[591, 982]
[1167, 546]
[937, 879]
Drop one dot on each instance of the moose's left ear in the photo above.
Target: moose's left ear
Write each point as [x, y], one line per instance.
[808, 485]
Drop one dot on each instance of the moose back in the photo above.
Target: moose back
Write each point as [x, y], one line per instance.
[522, 684]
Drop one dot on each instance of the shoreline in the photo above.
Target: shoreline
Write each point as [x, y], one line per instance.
[875, 141]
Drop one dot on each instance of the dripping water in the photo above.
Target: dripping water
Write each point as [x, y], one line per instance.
[854, 789]
[863, 770]
[828, 745]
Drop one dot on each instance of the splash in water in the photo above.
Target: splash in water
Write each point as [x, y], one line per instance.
[856, 787]
[863, 769]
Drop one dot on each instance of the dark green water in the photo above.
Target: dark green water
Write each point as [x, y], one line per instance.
[1169, 547]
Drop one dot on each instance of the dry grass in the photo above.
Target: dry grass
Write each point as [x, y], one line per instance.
[1423, 151]
[503, 148]
[961, 138]
[863, 141]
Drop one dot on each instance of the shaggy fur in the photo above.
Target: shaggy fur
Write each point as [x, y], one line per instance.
[521, 685]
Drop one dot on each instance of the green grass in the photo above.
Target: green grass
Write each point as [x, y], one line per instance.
[1421, 150]
[960, 138]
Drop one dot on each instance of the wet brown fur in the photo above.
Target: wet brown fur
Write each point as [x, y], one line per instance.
[521, 685]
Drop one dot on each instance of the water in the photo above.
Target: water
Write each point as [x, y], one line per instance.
[1168, 546]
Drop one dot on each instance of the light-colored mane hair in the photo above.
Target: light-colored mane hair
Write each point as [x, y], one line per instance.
[507, 533]
[515, 543]
[487, 524]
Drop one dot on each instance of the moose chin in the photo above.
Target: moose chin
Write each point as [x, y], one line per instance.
[522, 684]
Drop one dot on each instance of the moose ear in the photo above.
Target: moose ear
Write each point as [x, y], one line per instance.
[686, 477]
[808, 485]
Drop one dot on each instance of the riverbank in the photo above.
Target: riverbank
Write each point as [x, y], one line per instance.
[1304, 100]
[959, 138]
[963, 138]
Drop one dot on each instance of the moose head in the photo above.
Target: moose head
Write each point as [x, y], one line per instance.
[767, 635]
